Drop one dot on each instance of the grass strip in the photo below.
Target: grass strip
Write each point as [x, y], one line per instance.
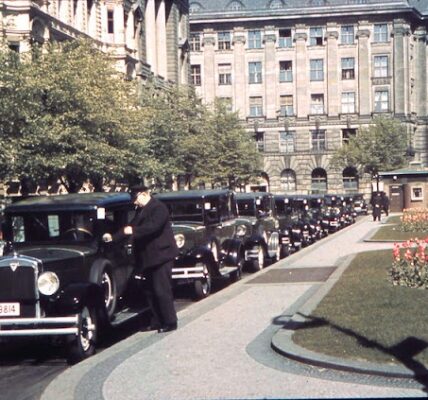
[364, 317]
[394, 233]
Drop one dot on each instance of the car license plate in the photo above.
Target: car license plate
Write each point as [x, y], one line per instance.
[9, 309]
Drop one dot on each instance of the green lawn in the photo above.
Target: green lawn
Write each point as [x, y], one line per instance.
[364, 317]
[394, 233]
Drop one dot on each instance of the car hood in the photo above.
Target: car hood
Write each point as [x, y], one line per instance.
[51, 254]
[182, 227]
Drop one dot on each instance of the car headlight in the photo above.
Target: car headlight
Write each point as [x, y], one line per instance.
[241, 230]
[286, 232]
[48, 283]
[180, 240]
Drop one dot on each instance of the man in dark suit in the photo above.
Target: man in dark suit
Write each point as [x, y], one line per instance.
[155, 250]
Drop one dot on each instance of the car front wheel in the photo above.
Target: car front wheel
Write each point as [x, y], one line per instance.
[202, 287]
[83, 344]
[258, 263]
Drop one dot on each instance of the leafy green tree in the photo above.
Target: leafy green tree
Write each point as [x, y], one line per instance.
[381, 146]
[76, 115]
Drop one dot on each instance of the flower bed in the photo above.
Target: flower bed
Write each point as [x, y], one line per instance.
[410, 264]
[414, 219]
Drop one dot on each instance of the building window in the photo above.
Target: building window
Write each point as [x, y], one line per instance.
[317, 104]
[417, 193]
[260, 141]
[254, 39]
[285, 39]
[255, 72]
[347, 34]
[195, 72]
[286, 105]
[350, 179]
[276, 4]
[224, 40]
[348, 68]
[317, 70]
[235, 6]
[286, 71]
[348, 102]
[318, 181]
[288, 180]
[318, 140]
[256, 106]
[195, 42]
[380, 33]
[224, 74]
[380, 66]
[315, 36]
[347, 134]
[110, 21]
[381, 100]
[286, 141]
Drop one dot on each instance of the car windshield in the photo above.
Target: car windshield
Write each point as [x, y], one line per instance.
[188, 210]
[51, 227]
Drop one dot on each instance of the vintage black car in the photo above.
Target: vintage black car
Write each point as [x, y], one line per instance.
[258, 227]
[204, 224]
[57, 277]
[336, 212]
[360, 204]
[310, 224]
[319, 212]
[290, 229]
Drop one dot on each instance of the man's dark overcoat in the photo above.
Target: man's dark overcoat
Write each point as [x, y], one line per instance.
[154, 240]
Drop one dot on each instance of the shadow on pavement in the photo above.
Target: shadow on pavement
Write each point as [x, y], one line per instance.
[405, 351]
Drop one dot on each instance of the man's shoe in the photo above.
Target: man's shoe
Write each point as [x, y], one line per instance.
[168, 328]
[149, 328]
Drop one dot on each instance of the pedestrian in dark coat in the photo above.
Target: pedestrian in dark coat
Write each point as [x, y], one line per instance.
[155, 250]
[385, 203]
[377, 206]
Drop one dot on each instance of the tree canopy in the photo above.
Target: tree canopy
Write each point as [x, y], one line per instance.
[378, 147]
[67, 114]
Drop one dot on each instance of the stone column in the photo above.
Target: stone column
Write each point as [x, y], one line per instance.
[150, 31]
[421, 72]
[270, 79]
[302, 101]
[240, 72]
[208, 73]
[333, 64]
[401, 83]
[161, 40]
[364, 86]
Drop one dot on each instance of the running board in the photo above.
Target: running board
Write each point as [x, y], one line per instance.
[126, 315]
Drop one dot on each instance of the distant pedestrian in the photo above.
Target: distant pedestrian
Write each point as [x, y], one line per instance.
[377, 206]
[385, 203]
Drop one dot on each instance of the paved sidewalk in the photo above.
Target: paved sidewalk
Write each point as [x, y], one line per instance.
[222, 349]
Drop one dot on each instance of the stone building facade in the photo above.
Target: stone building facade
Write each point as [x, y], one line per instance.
[304, 75]
[147, 38]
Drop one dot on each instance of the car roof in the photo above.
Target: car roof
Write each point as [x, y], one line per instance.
[70, 202]
[192, 194]
[252, 195]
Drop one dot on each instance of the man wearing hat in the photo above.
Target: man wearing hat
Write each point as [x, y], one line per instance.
[155, 250]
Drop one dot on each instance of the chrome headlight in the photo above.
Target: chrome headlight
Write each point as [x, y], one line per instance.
[48, 283]
[241, 230]
[286, 232]
[180, 240]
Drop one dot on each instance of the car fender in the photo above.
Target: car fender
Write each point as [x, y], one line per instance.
[232, 251]
[195, 255]
[255, 240]
[73, 297]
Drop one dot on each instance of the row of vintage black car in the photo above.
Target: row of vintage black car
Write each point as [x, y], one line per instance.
[59, 279]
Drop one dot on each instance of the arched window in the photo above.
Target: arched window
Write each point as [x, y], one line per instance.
[194, 7]
[276, 4]
[319, 181]
[235, 6]
[350, 179]
[288, 180]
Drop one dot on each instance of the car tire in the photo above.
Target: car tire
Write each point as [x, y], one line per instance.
[260, 262]
[202, 287]
[284, 251]
[108, 285]
[236, 276]
[84, 343]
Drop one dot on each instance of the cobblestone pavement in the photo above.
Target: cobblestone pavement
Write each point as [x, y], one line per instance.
[222, 349]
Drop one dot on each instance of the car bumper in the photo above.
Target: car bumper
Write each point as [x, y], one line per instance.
[43, 326]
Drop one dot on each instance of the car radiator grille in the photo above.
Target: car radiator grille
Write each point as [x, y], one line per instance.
[18, 285]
